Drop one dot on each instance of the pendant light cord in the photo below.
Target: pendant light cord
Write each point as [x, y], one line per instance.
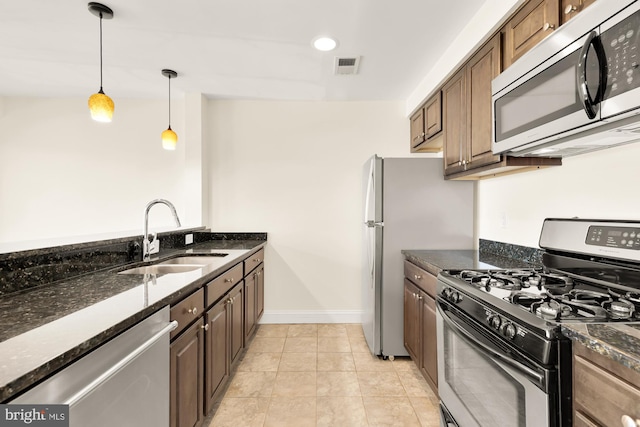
[169, 101]
[101, 52]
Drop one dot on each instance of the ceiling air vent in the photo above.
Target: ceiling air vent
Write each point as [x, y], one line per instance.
[347, 65]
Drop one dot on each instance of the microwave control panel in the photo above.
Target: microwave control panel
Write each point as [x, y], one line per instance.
[614, 237]
[621, 44]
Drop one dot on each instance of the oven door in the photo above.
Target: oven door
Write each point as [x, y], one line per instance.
[483, 382]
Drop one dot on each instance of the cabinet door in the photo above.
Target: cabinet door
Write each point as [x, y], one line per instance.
[429, 356]
[250, 294]
[218, 353]
[187, 374]
[411, 320]
[417, 128]
[571, 8]
[455, 122]
[433, 116]
[236, 316]
[480, 70]
[260, 294]
[535, 21]
[603, 390]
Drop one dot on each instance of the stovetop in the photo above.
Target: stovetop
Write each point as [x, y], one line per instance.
[555, 296]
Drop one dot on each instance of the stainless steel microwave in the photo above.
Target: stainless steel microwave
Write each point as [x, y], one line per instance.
[576, 91]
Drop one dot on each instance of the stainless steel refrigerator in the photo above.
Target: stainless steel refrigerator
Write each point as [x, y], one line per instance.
[407, 205]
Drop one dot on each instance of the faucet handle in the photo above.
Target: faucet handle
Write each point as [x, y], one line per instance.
[154, 243]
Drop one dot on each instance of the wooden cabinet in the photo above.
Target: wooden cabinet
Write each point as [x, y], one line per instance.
[218, 349]
[466, 100]
[429, 357]
[535, 21]
[570, 8]
[420, 321]
[603, 390]
[411, 319]
[426, 124]
[236, 321]
[254, 292]
[187, 375]
[467, 112]
[211, 337]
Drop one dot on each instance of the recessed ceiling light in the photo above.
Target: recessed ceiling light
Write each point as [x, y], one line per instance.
[324, 44]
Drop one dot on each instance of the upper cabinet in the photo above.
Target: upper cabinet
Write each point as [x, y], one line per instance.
[426, 126]
[535, 21]
[571, 8]
[467, 121]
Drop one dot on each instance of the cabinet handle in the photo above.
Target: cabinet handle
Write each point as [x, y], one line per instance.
[627, 421]
[193, 311]
[419, 297]
[547, 26]
[205, 327]
[229, 280]
[256, 260]
[417, 276]
[570, 8]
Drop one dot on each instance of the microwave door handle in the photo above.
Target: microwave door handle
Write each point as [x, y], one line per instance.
[502, 359]
[589, 103]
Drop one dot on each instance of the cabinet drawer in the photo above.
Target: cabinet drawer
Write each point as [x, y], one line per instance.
[253, 261]
[603, 390]
[221, 284]
[425, 281]
[187, 310]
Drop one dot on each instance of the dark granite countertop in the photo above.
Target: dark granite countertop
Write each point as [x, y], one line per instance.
[619, 342]
[435, 261]
[45, 328]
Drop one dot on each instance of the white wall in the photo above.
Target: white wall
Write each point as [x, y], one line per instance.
[294, 170]
[62, 174]
[601, 185]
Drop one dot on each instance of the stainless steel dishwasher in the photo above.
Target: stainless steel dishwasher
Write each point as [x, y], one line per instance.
[125, 382]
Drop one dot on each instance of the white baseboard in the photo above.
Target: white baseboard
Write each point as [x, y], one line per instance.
[311, 316]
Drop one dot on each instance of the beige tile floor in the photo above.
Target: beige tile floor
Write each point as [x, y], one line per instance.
[323, 375]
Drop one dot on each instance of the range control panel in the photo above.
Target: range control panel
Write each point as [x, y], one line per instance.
[614, 237]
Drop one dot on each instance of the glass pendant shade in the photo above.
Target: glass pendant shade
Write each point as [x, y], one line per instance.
[169, 139]
[101, 107]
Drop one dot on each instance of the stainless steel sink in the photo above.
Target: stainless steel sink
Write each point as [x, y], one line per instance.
[162, 269]
[193, 260]
[180, 264]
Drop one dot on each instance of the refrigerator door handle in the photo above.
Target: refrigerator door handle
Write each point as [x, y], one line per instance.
[370, 193]
[372, 224]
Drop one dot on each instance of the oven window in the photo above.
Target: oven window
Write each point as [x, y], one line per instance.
[490, 395]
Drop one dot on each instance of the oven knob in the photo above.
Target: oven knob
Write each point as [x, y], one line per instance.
[510, 331]
[455, 297]
[495, 321]
[446, 293]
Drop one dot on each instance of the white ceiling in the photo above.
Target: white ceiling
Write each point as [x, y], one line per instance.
[257, 49]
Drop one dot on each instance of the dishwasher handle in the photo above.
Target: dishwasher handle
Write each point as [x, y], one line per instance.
[120, 365]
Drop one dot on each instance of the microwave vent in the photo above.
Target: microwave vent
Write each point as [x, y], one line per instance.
[345, 66]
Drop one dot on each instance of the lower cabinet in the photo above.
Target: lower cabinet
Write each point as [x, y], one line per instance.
[605, 393]
[420, 321]
[210, 339]
[253, 292]
[187, 375]
[223, 341]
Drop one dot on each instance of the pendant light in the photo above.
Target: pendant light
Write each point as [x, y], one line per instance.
[169, 137]
[100, 105]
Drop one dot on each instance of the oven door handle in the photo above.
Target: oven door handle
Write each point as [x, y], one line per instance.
[502, 359]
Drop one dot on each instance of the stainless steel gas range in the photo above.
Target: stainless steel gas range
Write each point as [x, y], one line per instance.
[501, 356]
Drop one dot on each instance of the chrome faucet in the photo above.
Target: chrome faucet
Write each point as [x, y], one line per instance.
[153, 246]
